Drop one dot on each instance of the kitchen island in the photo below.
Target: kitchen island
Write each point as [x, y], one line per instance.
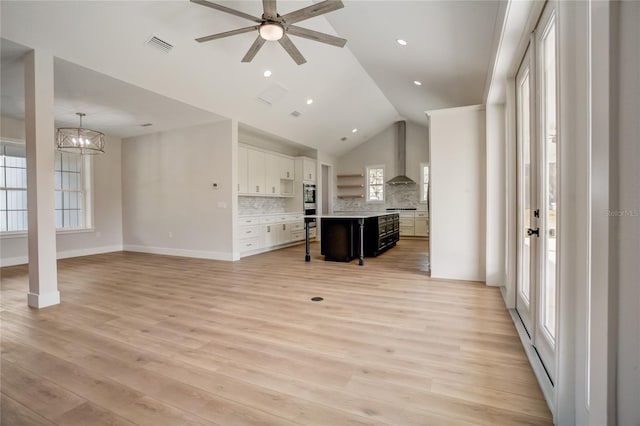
[349, 235]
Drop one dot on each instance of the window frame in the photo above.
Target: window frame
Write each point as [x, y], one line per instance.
[368, 185]
[86, 182]
[424, 165]
[9, 141]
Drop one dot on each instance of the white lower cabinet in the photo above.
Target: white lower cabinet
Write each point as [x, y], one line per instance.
[407, 224]
[250, 237]
[261, 233]
[422, 224]
[414, 224]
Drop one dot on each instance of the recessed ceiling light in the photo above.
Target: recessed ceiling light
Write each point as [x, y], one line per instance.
[417, 83]
[401, 42]
[309, 101]
[267, 73]
[354, 130]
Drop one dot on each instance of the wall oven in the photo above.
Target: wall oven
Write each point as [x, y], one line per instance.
[309, 200]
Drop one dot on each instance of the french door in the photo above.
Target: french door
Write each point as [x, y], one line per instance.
[537, 159]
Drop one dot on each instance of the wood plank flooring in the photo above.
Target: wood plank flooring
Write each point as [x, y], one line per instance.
[158, 340]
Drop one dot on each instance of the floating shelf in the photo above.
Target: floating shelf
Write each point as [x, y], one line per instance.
[353, 181]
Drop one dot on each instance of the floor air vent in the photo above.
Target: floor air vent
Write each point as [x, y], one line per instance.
[160, 44]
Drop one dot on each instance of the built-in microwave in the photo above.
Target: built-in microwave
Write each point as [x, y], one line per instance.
[309, 200]
[309, 194]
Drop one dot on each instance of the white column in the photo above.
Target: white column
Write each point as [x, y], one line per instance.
[39, 127]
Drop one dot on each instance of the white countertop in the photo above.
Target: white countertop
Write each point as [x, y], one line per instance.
[269, 214]
[349, 215]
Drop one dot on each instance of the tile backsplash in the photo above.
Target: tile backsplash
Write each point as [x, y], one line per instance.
[396, 196]
[261, 205]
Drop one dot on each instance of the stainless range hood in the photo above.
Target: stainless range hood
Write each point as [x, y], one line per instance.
[401, 156]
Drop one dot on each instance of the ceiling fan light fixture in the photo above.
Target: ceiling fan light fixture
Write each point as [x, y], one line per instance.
[271, 31]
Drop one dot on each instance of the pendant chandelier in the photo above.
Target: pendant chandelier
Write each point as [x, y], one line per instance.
[78, 140]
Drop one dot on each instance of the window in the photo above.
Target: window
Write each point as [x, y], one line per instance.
[375, 184]
[13, 187]
[424, 182]
[72, 189]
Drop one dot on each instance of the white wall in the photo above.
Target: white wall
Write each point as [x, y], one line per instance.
[106, 235]
[381, 149]
[626, 198]
[457, 218]
[169, 204]
[496, 189]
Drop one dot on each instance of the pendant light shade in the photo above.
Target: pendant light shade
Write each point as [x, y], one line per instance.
[80, 141]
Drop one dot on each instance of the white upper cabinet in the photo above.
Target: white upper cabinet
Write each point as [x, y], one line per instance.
[308, 170]
[242, 170]
[272, 174]
[286, 168]
[261, 173]
[256, 173]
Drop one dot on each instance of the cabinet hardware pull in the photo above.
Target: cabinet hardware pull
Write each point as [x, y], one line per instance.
[257, 188]
[287, 174]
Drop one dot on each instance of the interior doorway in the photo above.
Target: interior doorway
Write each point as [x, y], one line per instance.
[327, 189]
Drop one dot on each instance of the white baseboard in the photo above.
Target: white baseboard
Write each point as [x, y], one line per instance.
[21, 260]
[89, 251]
[199, 254]
[43, 300]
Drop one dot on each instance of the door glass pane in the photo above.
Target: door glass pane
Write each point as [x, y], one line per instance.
[524, 126]
[550, 179]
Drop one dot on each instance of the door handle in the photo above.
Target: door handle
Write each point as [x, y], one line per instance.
[535, 232]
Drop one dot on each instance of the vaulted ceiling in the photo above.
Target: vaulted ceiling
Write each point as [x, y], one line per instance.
[366, 85]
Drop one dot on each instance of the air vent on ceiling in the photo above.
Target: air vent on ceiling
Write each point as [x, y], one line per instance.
[273, 94]
[296, 114]
[160, 44]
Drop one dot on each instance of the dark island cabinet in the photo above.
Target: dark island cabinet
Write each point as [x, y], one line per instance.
[380, 234]
[341, 236]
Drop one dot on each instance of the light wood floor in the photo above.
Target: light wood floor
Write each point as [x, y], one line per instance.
[157, 340]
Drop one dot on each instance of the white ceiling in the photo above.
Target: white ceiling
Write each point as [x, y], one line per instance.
[367, 85]
[111, 106]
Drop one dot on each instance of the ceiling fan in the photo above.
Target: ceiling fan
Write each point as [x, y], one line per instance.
[273, 27]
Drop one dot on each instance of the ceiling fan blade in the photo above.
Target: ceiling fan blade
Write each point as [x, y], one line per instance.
[311, 11]
[270, 11]
[316, 36]
[227, 34]
[227, 10]
[253, 50]
[292, 50]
